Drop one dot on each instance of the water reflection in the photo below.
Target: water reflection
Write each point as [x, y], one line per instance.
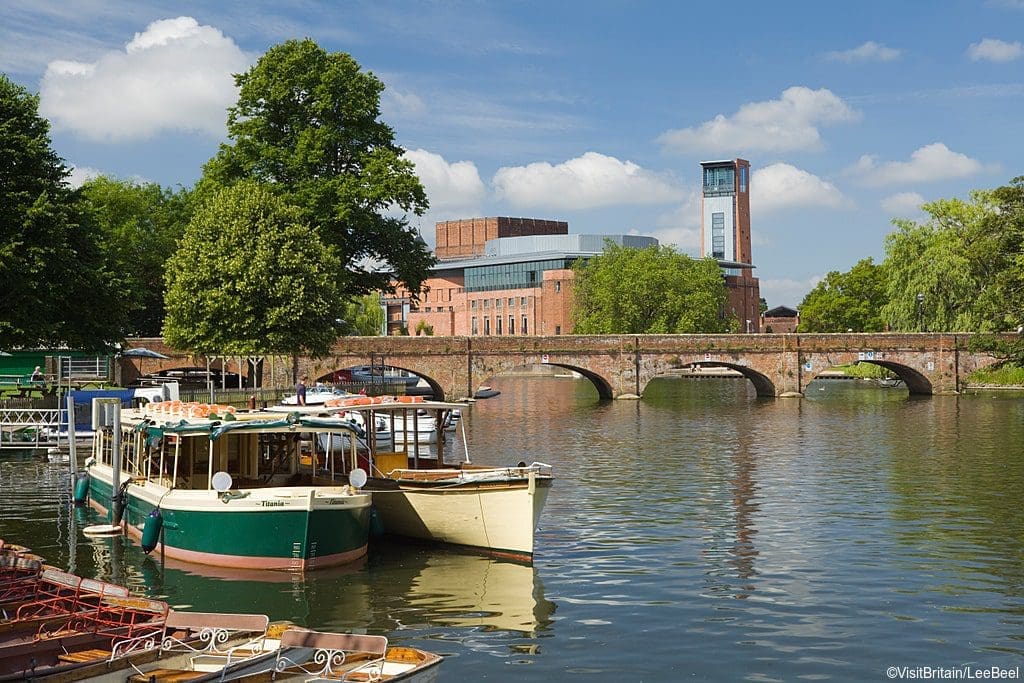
[701, 533]
[398, 587]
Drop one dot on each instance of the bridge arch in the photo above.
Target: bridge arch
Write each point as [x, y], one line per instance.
[763, 385]
[915, 382]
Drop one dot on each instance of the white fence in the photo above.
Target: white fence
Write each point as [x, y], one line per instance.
[24, 428]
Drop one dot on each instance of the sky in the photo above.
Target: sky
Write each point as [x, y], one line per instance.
[593, 112]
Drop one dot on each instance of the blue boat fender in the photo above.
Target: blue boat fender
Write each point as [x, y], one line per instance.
[81, 494]
[151, 530]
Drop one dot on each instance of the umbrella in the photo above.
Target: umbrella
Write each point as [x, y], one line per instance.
[142, 352]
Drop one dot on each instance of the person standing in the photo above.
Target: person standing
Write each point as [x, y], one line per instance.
[37, 375]
[300, 391]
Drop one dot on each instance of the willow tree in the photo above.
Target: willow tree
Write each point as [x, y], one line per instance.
[941, 272]
[654, 290]
[250, 277]
[307, 124]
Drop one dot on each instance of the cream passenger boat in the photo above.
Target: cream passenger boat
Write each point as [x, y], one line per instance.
[417, 495]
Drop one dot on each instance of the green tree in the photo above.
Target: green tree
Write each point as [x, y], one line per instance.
[648, 291]
[949, 262]
[846, 301]
[364, 316]
[141, 225]
[307, 123]
[250, 277]
[55, 287]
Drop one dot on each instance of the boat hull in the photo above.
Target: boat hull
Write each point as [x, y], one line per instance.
[498, 518]
[286, 528]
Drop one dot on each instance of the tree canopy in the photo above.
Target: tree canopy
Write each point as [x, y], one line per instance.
[654, 290]
[250, 277]
[307, 124]
[364, 316]
[941, 273]
[140, 225]
[846, 301]
[56, 287]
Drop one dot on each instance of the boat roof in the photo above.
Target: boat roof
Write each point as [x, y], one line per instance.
[188, 419]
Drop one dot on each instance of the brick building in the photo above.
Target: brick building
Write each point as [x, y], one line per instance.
[725, 235]
[513, 276]
[500, 276]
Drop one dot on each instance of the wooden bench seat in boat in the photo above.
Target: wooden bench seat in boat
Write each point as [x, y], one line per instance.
[166, 676]
[84, 655]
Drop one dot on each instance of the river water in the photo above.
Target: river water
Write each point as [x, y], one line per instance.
[701, 533]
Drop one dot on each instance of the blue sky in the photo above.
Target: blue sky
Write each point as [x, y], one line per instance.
[597, 112]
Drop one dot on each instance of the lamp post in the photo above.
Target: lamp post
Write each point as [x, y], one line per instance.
[920, 312]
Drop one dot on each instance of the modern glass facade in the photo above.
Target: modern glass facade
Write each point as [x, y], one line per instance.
[511, 275]
[718, 235]
[719, 180]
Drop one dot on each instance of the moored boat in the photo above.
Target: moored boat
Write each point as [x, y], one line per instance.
[418, 495]
[211, 485]
[306, 655]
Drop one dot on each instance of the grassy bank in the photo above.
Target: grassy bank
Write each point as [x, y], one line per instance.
[1007, 375]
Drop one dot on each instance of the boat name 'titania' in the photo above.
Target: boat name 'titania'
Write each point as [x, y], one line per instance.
[272, 503]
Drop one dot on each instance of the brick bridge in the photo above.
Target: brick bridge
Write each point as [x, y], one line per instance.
[776, 364]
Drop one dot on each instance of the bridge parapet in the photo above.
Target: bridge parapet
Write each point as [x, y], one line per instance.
[777, 364]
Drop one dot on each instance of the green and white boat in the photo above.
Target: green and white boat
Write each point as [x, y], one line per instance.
[211, 485]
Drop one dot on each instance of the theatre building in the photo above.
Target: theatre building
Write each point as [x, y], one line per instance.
[513, 276]
[499, 276]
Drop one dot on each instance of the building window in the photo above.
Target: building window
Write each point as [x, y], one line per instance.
[511, 324]
[497, 324]
[718, 235]
[472, 304]
[522, 301]
[524, 329]
[487, 303]
[719, 180]
[558, 329]
[743, 178]
[497, 303]
[511, 301]
[427, 309]
[558, 285]
[473, 326]
[487, 325]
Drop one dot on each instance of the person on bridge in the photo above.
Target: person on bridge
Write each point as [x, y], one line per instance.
[37, 375]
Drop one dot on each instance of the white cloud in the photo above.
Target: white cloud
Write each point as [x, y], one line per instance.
[395, 104]
[787, 292]
[82, 174]
[788, 123]
[451, 187]
[588, 181]
[865, 52]
[903, 203]
[681, 226]
[929, 163]
[994, 50]
[782, 186]
[175, 75]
